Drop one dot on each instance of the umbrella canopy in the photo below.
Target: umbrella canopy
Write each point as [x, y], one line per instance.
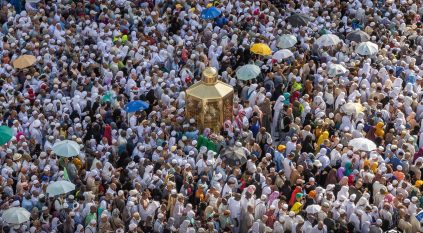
[367, 48]
[328, 40]
[24, 61]
[282, 54]
[66, 148]
[60, 187]
[336, 69]
[16, 215]
[352, 108]
[298, 20]
[419, 216]
[261, 49]
[287, 41]
[136, 105]
[210, 13]
[6, 134]
[313, 209]
[234, 156]
[358, 36]
[248, 72]
[362, 144]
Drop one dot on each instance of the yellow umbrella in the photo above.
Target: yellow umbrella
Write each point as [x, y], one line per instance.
[24, 61]
[261, 49]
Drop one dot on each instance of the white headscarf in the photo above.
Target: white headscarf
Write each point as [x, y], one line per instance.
[340, 99]
[342, 192]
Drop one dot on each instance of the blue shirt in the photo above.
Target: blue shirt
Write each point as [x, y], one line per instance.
[395, 162]
[278, 157]
[27, 204]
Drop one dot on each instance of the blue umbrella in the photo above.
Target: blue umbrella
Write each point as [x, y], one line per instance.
[136, 105]
[210, 13]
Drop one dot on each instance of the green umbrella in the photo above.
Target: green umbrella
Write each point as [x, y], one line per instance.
[60, 187]
[248, 72]
[5, 134]
[16, 215]
[66, 148]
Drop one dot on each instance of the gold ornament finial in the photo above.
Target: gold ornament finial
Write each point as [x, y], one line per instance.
[209, 75]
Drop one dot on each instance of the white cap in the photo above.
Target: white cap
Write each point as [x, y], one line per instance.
[352, 197]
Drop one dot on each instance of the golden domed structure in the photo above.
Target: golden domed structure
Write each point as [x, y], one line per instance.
[210, 101]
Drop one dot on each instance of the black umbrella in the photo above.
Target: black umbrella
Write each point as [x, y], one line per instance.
[234, 156]
[298, 20]
[358, 36]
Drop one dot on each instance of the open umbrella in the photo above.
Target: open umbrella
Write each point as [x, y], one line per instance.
[16, 215]
[210, 13]
[362, 144]
[287, 41]
[261, 49]
[136, 105]
[313, 209]
[248, 72]
[351, 108]
[60, 187]
[298, 20]
[282, 54]
[66, 148]
[336, 69]
[6, 134]
[419, 216]
[234, 156]
[367, 48]
[328, 40]
[358, 36]
[24, 61]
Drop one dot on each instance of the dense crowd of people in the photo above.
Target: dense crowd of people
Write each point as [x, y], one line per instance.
[149, 171]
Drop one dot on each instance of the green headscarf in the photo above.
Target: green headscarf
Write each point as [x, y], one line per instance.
[348, 168]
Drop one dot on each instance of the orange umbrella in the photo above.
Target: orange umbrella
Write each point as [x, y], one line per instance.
[24, 61]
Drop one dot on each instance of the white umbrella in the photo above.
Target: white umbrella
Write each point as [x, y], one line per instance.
[313, 209]
[363, 144]
[60, 187]
[336, 69]
[16, 215]
[328, 40]
[282, 54]
[66, 148]
[367, 48]
[352, 108]
[287, 41]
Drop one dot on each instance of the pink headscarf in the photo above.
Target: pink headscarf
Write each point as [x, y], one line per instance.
[273, 196]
